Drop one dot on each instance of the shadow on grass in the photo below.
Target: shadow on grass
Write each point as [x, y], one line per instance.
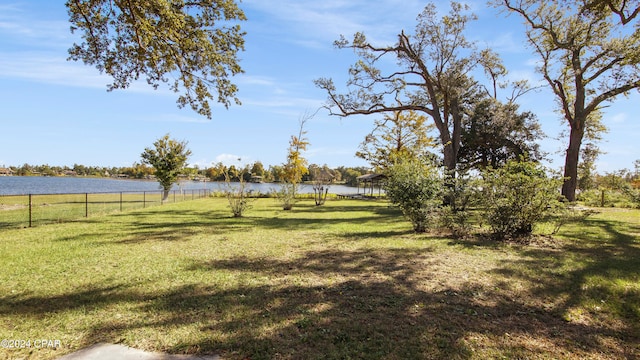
[157, 224]
[335, 304]
[592, 279]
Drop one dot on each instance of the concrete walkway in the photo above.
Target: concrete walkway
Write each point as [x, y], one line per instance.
[104, 351]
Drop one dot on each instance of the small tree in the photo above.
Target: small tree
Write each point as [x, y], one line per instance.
[237, 195]
[416, 187]
[168, 158]
[517, 196]
[321, 181]
[294, 168]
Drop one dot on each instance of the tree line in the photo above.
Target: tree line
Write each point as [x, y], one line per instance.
[271, 173]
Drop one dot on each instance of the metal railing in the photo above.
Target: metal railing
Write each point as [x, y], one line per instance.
[29, 210]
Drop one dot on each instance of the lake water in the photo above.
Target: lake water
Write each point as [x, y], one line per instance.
[19, 185]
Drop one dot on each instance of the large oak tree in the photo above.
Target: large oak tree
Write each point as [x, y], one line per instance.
[589, 54]
[191, 45]
[432, 76]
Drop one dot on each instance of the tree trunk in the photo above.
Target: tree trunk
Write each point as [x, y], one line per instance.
[165, 195]
[571, 163]
[450, 162]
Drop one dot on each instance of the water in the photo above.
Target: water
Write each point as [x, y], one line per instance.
[19, 185]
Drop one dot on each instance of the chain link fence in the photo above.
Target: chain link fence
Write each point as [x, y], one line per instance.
[37, 209]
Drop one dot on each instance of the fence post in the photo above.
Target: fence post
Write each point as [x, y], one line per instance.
[86, 204]
[144, 199]
[30, 216]
[120, 201]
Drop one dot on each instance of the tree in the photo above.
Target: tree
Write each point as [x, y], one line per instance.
[257, 169]
[192, 45]
[398, 135]
[295, 167]
[625, 10]
[494, 133]
[433, 76]
[321, 179]
[588, 57]
[168, 158]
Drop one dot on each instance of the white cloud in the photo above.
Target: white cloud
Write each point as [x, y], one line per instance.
[256, 80]
[202, 163]
[232, 159]
[317, 24]
[17, 27]
[180, 118]
[43, 67]
[618, 118]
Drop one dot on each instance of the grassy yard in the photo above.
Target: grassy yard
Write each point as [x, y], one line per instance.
[346, 280]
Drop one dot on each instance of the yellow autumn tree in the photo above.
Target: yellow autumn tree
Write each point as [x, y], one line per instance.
[295, 167]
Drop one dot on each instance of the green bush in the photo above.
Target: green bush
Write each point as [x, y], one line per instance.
[623, 198]
[516, 197]
[416, 188]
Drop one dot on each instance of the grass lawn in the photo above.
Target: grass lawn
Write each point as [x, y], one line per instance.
[345, 280]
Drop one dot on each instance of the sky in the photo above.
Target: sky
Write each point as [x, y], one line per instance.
[58, 112]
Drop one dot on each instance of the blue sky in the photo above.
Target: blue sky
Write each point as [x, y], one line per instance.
[58, 112]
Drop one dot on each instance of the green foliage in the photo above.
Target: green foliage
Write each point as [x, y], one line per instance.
[416, 188]
[518, 196]
[190, 45]
[168, 158]
[398, 135]
[461, 194]
[495, 133]
[350, 175]
[621, 198]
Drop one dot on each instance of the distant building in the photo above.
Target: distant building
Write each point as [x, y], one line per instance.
[371, 181]
[6, 172]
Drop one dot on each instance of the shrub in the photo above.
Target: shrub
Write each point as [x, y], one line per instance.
[416, 187]
[286, 195]
[461, 194]
[237, 195]
[517, 196]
